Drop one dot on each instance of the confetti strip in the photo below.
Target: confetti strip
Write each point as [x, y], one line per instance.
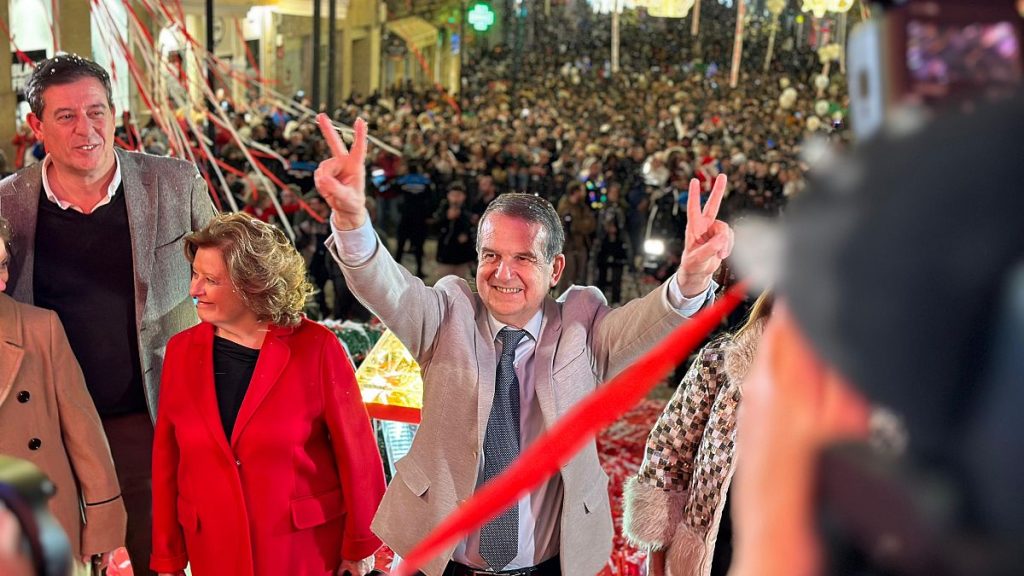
[21, 55]
[169, 95]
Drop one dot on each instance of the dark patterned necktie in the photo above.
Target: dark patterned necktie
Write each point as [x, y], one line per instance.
[499, 538]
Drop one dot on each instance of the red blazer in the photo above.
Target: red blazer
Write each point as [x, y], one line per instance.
[295, 488]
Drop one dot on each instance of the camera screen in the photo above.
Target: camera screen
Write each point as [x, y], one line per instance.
[944, 57]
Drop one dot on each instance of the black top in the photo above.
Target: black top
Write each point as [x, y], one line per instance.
[84, 271]
[233, 365]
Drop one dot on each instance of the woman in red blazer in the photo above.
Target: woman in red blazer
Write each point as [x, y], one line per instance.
[264, 461]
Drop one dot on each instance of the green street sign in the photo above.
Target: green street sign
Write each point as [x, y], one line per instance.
[480, 17]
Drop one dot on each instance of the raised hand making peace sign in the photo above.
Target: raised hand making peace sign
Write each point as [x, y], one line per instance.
[341, 179]
[708, 241]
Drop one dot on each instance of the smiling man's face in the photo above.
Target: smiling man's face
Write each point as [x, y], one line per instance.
[77, 128]
[513, 276]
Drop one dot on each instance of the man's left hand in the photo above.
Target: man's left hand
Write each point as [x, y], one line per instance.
[356, 567]
[707, 241]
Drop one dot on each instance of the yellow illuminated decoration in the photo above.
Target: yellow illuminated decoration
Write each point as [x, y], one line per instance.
[390, 381]
[840, 5]
[820, 7]
[668, 8]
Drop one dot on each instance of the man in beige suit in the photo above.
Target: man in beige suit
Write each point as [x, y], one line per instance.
[98, 238]
[501, 365]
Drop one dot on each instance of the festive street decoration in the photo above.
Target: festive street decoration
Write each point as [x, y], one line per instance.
[839, 6]
[788, 98]
[737, 44]
[775, 8]
[821, 107]
[668, 8]
[176, 101]
[829, 53]
[357, 337]
[390, 381]
[816, 7]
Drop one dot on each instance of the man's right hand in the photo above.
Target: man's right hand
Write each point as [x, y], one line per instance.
[341, 179]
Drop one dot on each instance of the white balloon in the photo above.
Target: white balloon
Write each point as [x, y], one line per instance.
[821, 107]
[813, 123]
[821, 81]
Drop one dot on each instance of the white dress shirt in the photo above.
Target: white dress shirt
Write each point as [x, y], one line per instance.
[111, 190]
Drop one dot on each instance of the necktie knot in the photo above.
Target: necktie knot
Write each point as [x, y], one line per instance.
[510, 338]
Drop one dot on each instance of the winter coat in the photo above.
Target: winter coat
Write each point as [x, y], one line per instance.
[677, 498]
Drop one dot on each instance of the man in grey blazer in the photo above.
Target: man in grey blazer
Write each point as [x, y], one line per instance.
[97, 237]
[459, 337]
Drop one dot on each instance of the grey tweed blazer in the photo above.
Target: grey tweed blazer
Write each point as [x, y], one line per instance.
[166, 199]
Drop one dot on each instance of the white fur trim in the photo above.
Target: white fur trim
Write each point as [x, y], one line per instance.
[650, 514]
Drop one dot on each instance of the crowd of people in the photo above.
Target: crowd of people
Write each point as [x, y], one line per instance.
[214, 425]
[548, 117]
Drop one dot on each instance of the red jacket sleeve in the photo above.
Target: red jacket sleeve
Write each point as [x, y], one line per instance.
[169, 553]
[355, 449]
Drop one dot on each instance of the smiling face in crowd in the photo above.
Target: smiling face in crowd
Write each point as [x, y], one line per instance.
[513, 276]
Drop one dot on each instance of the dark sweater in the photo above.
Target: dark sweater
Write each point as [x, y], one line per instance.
[233, 365]
[84, 271]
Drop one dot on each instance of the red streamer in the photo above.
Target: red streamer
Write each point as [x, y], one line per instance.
[145, 31]
[437, 85]
[55, 25]
[248, 52]
[21, 55]
[393, 413]
[211, 188]
[557, 446]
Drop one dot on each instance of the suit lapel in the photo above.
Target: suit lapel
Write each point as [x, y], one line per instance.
[11, 345]
[273, 359]
[544, 357]
[142, 221]
[20, 206]
[487, 365]
[550, 330]
[205, 392]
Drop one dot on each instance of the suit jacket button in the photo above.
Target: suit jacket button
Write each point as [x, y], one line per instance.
[238, 462]
[34, 444]
[23, 396]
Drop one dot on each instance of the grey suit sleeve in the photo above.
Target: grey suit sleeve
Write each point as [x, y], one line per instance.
[408, 307]
[200, 201]
[622, 335]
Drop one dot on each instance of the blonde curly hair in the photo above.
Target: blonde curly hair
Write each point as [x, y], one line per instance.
[265, 268]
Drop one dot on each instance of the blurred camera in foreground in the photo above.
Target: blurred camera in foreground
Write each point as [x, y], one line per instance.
[32, 543]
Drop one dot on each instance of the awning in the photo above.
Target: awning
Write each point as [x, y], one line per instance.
[417, 32]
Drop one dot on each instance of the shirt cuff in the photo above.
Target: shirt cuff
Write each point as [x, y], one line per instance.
[356, 246]
[689, 306]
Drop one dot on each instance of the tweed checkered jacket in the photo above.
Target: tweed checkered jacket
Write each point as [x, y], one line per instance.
[675, 501]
